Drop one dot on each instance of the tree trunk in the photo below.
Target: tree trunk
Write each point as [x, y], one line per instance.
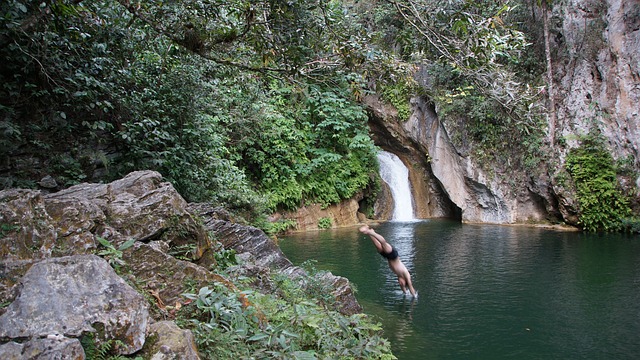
[550, 87]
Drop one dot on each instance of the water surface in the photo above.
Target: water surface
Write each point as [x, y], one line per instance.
[491, 292]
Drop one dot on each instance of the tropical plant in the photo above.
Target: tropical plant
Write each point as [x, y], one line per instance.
[112, 254]
[602, 206]
[324, 223]
[199, 91]
[291, 325]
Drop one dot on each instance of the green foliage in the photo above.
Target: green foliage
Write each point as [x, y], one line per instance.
[183, 252]
[102, 351]
[602, 206]
[113, 254]
[631, 225]
[225, 257]
[292, 325]
[187, 89]
[6, 228]
[324, 223]
[314, 148]
[279, 227]
[68, 169]
[399, 95]
[478, 124]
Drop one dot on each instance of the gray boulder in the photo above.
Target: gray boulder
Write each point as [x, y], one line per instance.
[74, 295]
[171, 343]
[52, 347]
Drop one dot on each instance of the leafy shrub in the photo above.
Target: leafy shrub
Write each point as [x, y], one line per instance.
[278, 227]
[309, 147]
[602, 206]
[399, 96]
[324, 223]
[234, 323]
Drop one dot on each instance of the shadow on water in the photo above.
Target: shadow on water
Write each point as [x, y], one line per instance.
[491, 292]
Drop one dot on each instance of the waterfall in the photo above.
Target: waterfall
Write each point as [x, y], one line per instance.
[396, 175]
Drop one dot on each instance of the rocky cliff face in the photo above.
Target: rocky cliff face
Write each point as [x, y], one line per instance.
[56, 291]
[598, 70]
[596, 54]
[444, 182]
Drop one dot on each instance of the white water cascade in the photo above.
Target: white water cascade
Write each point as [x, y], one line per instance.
[396, 175]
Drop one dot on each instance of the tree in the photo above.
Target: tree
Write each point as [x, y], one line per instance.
[472, 38]
[172, 86]
[550, 88]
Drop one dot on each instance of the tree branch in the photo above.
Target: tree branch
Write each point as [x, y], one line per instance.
[133, 10]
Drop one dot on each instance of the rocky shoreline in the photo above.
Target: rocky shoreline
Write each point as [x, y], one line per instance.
[59, 282]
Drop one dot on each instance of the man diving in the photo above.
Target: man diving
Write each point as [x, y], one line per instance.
[388, 252]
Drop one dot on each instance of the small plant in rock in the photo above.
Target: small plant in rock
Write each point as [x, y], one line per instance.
[6, 229]
[102, 351]
[183, 252]
[324, 223]
[225, 258]
[112, 254]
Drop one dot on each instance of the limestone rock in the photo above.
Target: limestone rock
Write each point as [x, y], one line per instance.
[28, 231]
[163, 276]
[52, 347]
[142, 207]
[76, 221]
[430, 198]
[265, 255]
[598, 74]
[242, 238]
[75, 295]
[344, 213]
[11, 272]
[48, 182]
[139, 206]
[596, 69]
[343, 293]
[170, 343]
[384, 205]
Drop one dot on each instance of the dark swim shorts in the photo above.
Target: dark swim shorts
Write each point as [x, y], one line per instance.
[390, 255]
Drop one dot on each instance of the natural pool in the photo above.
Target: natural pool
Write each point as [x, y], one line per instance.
[491, 292]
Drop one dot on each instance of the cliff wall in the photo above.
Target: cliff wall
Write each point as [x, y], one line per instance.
[596, 65]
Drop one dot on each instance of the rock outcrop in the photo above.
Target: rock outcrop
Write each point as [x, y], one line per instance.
[596, 65]
[73, 295]
[308, 217]
[598, 72]
[170, 342]
[59, 291]
[53, 347]
[264, 254]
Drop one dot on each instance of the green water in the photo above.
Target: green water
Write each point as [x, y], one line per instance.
[491, 292]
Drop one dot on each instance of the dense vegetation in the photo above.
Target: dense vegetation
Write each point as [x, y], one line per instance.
[248, 104]
[603, 207]
[255, 104]
[299, 322]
